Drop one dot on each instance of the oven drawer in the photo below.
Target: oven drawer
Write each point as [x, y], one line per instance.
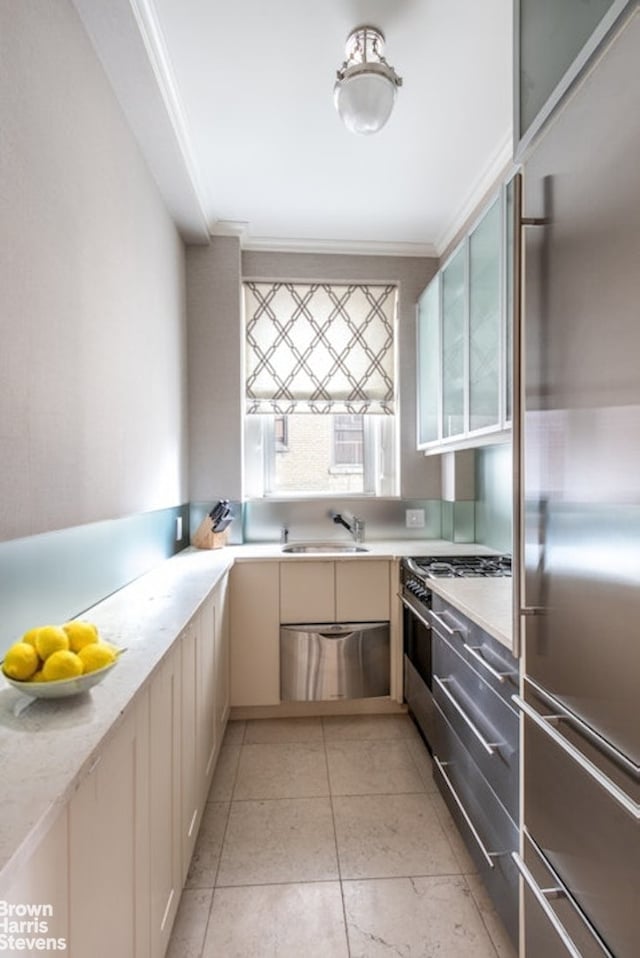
[486, 656]
[584, 819]
[553, 922]
[482, 720]
[489, 833]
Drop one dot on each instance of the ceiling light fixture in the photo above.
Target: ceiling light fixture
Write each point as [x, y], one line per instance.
[365, 90]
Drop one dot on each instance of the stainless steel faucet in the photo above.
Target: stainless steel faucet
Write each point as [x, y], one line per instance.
[284, 535]
[355, 527]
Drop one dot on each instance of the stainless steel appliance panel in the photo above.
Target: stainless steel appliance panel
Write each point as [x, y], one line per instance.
[487, 726]
[588, 837]
[484, 654]
[328, 662]
[489, 834]
[582, 400]
[555, 926]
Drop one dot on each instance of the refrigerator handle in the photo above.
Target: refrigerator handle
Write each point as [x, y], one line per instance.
[517, 340]
[543, 722]
[542, 896]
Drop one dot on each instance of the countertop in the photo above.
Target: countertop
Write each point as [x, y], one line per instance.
[486, 601]
[47, 746]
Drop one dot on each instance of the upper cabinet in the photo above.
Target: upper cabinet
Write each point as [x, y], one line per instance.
[464, 338]
[553, 44]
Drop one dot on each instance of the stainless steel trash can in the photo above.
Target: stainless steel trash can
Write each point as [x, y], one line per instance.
[338, 661]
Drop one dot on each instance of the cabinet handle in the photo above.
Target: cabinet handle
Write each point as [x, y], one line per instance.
[544, 723]
[447, 628]
[488, 856]
[475, 651]
[542, 895]
[489, 747]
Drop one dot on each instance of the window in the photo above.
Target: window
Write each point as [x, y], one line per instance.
[320, 389]
[348, 442]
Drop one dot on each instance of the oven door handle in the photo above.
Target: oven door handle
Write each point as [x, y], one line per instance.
[410, 606]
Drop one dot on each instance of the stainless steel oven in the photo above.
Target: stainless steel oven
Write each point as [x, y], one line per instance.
[416, 596]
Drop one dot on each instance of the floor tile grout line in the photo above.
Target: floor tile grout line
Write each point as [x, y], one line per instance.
[335, 839]
[480, 913]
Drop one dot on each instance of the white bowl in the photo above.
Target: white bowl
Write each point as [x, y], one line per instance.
[61, 688]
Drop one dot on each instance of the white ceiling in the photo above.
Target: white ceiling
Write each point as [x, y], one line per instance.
[232, 105]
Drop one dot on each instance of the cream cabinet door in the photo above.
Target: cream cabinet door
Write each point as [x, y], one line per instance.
[164, 806]
[189, 758]
[206, 625]
[42, 882]
[108, 902]
[255, 633]
[307, 591]
[362, 590]
[222, 697]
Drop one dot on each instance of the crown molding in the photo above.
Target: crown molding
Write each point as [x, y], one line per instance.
[337, 247]
[487, 179]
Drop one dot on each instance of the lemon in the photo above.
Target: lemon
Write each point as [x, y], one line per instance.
[21, 661]
[37, 676]
[50, 639]
[30, 636]
[96, 656]
[61, 665]
[80, 634]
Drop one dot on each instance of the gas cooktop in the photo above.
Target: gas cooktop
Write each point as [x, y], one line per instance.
[450, 567]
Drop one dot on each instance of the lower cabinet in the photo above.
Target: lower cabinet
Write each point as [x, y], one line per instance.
[110, 869]
[164, 805]
[108, 844]
[43, 883]
[476, 747]
[254, 608]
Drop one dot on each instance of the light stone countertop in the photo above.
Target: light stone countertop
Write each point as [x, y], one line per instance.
[47, 746]
[485, 601]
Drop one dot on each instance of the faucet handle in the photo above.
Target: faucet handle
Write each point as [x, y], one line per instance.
[284, 535]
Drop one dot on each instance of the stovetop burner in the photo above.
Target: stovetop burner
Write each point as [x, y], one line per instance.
[449, 567]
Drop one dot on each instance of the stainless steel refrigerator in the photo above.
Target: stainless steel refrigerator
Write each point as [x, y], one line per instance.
[581, 517]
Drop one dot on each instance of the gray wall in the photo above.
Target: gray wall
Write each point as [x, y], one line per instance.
[93, 360]
[215, 370]
[494, 497]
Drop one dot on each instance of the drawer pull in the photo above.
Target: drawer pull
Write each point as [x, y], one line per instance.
[546, 724]
[489, 747]
[542, 896]
[476, 652]
[447, 628]
[488, 856]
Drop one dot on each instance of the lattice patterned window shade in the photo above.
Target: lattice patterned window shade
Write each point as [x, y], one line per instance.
[320, 348]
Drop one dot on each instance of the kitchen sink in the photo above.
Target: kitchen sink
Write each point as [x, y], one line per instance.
[313, 548]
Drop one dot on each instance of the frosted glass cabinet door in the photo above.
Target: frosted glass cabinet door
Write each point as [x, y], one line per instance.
[453, 346]
[429, 363]
[485, 317]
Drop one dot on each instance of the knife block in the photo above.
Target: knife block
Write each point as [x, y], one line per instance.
[204, 538]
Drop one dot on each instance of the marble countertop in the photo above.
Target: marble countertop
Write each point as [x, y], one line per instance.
[376, 549]
[487, 602]
[47, 746]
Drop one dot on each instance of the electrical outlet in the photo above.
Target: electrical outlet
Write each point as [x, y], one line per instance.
[178, 528]
[414, 518]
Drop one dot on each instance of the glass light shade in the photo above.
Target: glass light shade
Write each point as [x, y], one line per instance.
[365, 101]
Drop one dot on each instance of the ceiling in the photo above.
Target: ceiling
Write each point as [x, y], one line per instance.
[232, 105]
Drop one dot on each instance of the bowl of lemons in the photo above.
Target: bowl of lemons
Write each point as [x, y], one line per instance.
[56, 661]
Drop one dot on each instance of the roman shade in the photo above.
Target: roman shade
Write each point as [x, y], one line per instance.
[319, 348]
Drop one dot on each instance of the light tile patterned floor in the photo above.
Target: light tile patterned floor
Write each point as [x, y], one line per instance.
[327, 838]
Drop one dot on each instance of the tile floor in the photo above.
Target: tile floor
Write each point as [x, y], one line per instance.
[327, 838]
